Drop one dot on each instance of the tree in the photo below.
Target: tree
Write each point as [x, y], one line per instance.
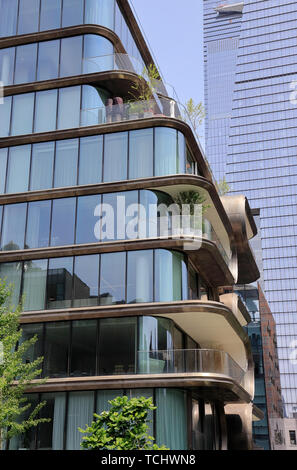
[123, 427]
[15, 374]
[196, 113]
[224, 187]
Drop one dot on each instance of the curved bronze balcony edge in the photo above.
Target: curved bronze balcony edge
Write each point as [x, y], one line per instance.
[238, 209]
[126, 185]
[156, 121]
[209, 255]
[112, 80]
[227, 387]
[60, 33]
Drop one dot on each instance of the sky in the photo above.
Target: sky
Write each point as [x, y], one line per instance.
[174, 31]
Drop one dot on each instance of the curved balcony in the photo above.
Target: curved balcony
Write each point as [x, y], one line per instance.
[189, 361]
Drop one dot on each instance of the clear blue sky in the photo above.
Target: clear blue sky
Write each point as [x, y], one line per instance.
[174, 30]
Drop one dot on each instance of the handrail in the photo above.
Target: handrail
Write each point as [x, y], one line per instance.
[189, 361]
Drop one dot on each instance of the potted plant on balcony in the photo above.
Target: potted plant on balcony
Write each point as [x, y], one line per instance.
[143, 90]
[193, 198]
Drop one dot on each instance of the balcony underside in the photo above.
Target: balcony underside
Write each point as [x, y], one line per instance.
[209, 386]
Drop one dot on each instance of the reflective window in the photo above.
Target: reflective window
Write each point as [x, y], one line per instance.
[140, 276]
[59, 282]
[50, 14]
[66, 163]
[100, 12]
[90, 160]
[5, 115]
[85, 227]
[119, 360]
[112, 278]
[166, 143]
[42, 166]
[38, 224]
[71, 51]
[34, 285]
[3, 164]
[83, 348]
[13, 227]
[12, 273]
[98, 54]
[63, 221]
[80, 411]
[25, 65]
[22, 114]
[48, 60]
[69, 107]
[141, 154]
[56, 349]
[7, 65]
[45, 111]
[51, 434]
[169, 275]
[18, 169]
[28, 16]
[8, 17]
[86, 280]
[73, 11]
[115, 156]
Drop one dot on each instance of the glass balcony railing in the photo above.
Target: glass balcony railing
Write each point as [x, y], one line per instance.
[210, 233]
[179, 361]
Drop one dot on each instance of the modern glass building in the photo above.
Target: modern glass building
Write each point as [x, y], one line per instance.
[117, 308]
[260, 159]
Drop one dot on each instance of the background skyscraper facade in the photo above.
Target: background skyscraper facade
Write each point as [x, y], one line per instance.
[259, 155]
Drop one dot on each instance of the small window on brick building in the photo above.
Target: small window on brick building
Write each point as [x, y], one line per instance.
[292, 435]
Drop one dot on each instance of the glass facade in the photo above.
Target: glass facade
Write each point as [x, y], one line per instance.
[58, 58]
[260, 159]
[91, 160]
[106, 279]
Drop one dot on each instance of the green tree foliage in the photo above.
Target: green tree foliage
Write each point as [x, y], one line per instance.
[15, 374]
[146, 85]
[123, 427]
[224, 187]
[192, 198]
[196, 113]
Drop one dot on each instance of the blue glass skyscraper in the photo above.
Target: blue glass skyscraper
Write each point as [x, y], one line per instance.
[251, 140]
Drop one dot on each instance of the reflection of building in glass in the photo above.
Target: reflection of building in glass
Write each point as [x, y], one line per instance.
[250, 130]
[116, 314]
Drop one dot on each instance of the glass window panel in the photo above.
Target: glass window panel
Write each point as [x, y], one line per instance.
[45, 111]
[66, 163]
[80, 413]
[7, 65]
[83, 348]
[72, 12]
[166, 156]
[181, 152]
[28, 16]
[22, 114]
[114, 202]
[103, 398]
[119, 360]
[8, 17]
[12, 273]
[115, 156]
[3, 164]
[71, 56]
[100, 12]
[63, 221]
[98, 54]
[69, 107]
[34, 286]
[171, 418]
[86, 220]
[28, 332]
[59, 282]
[38, 224]
[25, 64]
[169, 274]
[56, 349]
[50, 14]
[86, 280]
[5, 115]
[140, 276]
[51, 435]
[141, 153]
[13, 228]
[48, 60]
[42, 166]
[18, 169]
[93, 105]
[112, 278]
[90, 160]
